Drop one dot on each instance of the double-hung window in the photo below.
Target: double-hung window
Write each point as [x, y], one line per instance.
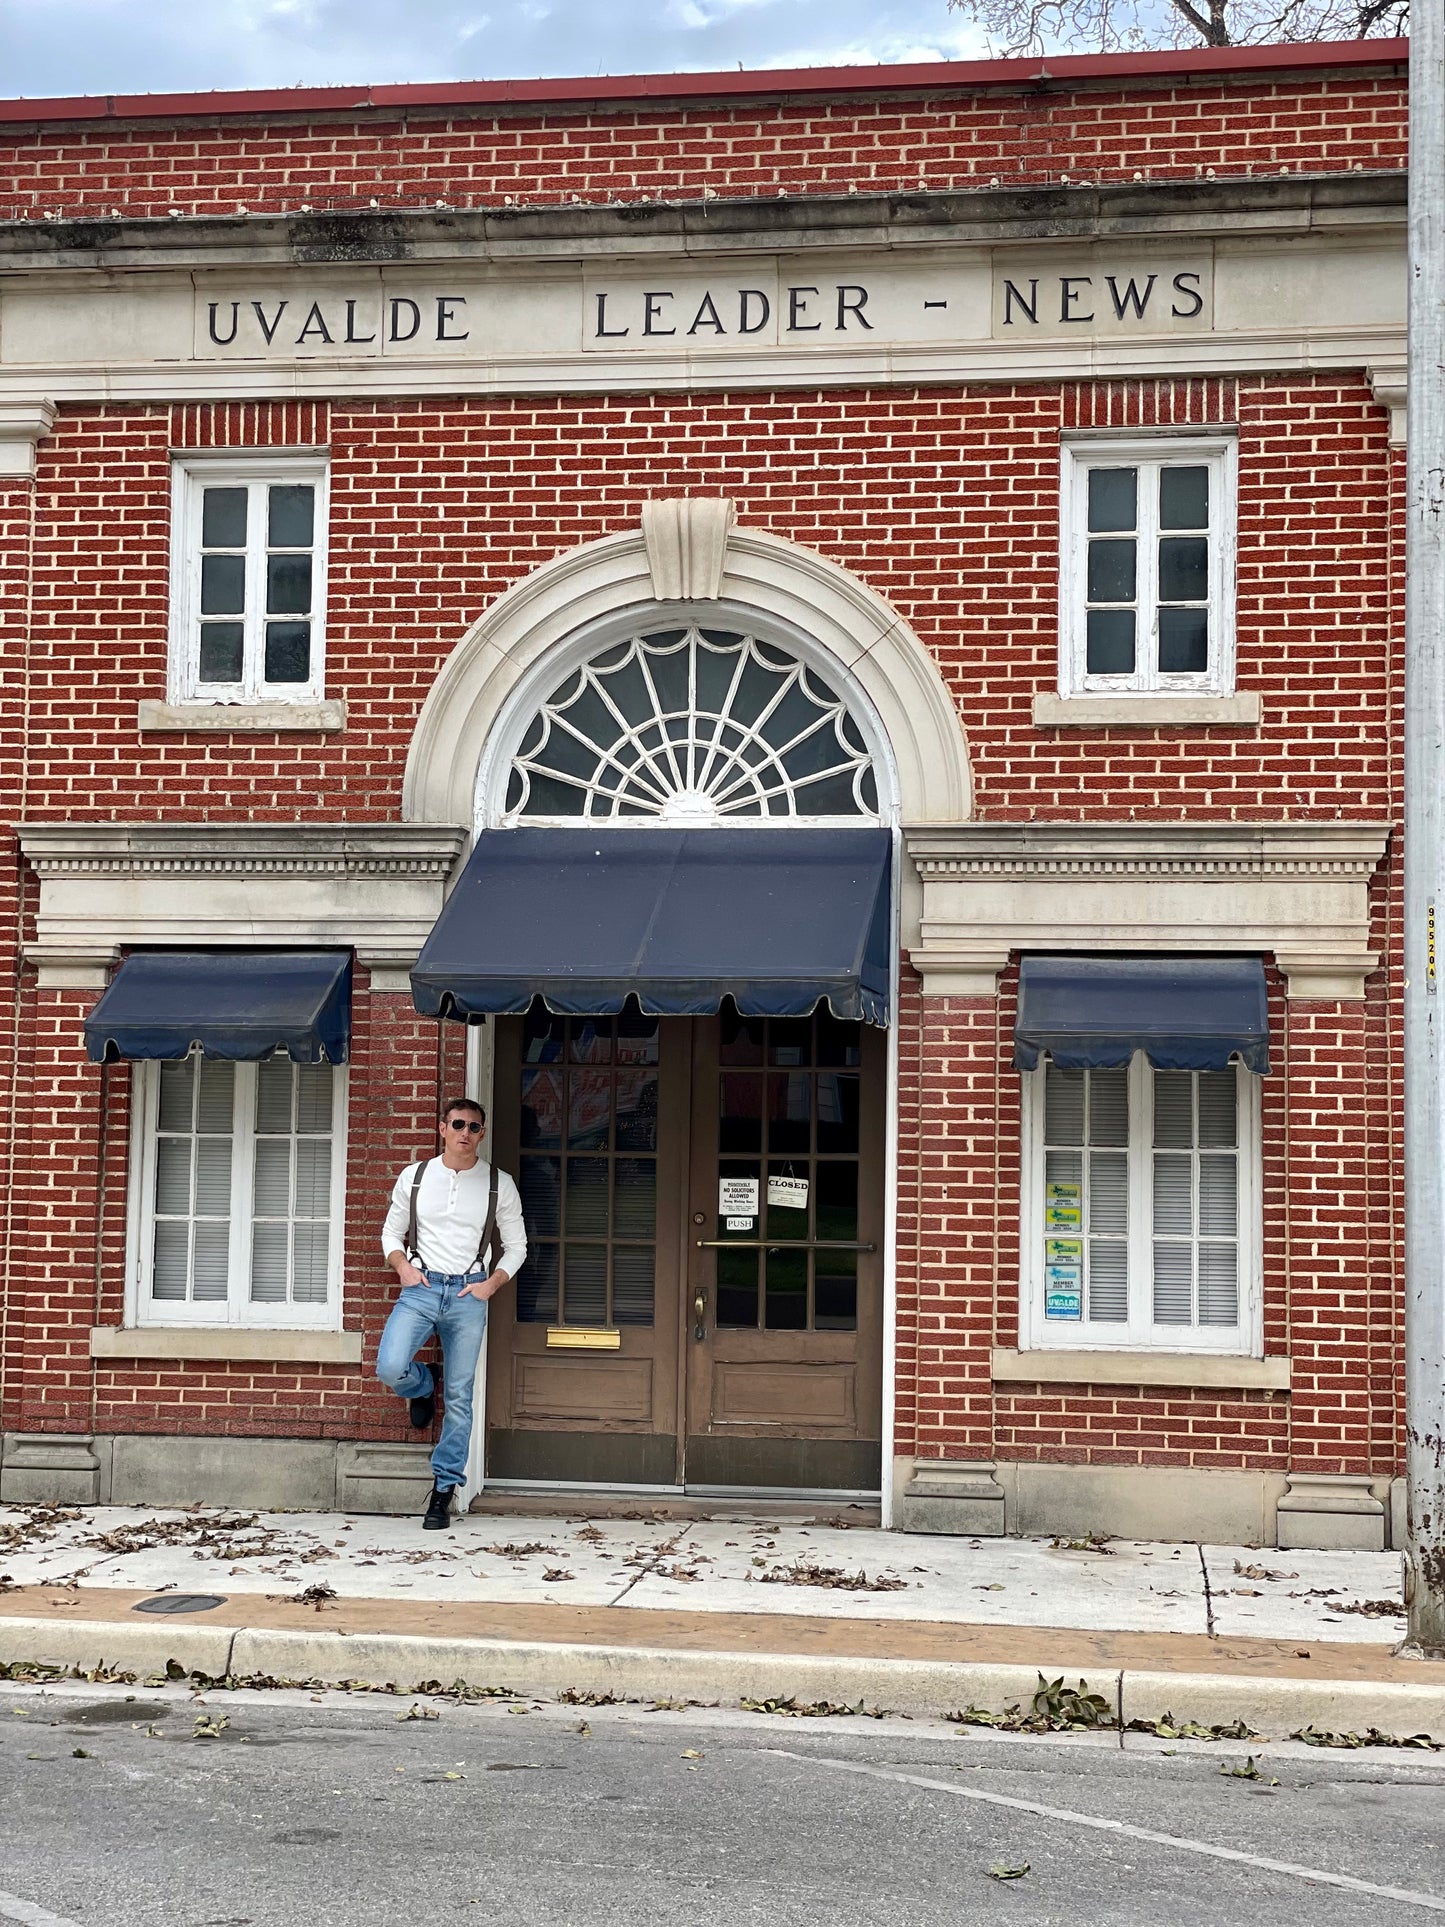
[1146, 588]
[248, 578]
[1140, 1209]
[238, 1217]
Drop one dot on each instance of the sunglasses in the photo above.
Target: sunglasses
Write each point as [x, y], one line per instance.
[468, 1124]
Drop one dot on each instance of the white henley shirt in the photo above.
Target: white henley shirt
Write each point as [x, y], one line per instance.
[451, 1208]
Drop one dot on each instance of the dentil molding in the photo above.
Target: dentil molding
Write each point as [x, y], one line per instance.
[374, 887]
[1298, 891]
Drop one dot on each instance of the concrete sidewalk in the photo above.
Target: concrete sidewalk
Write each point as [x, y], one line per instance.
[761, 1608]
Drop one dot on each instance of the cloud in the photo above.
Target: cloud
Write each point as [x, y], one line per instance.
[139, 46]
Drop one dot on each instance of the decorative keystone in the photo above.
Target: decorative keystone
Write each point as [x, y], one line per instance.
[686, 538]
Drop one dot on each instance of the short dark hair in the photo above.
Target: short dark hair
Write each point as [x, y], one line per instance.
[462, 1104]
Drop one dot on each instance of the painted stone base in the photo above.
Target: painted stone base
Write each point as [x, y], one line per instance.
[959, 1496]
[1335, 1512]
[383, 1477]
[53, 1468]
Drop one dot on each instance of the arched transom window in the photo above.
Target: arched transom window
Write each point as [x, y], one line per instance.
[692, 725]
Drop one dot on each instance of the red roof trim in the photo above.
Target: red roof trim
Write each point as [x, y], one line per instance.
[942, 76]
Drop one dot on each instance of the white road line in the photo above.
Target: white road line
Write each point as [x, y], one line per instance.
[12, 1907]
[1402, 1894]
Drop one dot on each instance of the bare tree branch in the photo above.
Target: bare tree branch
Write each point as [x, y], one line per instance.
[1125, 26]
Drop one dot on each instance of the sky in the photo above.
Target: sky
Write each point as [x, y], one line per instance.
[151, 46]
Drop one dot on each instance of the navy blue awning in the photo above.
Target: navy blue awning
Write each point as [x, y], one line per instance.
[240, 1004]
[778, 920]
[1184, 1013]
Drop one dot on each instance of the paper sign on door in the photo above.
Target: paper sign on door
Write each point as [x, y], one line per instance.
[1063, 1278]
[792, 1193]
[740, 1224]
[737, 1197]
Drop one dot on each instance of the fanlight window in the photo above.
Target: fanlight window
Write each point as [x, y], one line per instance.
[692, 726]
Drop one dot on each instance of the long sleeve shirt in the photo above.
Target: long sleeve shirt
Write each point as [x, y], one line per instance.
[451, 1209]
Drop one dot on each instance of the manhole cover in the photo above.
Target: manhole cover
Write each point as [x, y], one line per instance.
[182, 1602]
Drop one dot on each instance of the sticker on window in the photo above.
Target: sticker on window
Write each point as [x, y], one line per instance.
[1064, 1277]
[791, 1193]
[1064, 1207]
[737, 1197]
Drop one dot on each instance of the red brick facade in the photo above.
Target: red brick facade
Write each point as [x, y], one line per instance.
[943, 499]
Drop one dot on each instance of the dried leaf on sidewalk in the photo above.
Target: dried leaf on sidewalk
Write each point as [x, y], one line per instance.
[804, 1573]
[1249, 1771]
[420, 1712]
[553, 1574]
[1243, 1571]
[510, 1551]
[1001, 1870]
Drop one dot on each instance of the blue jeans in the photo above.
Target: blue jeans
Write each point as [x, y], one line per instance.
[460, 1322]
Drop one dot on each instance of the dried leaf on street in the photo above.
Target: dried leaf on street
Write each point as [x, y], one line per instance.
[1000, 1870]
[1249, 1771]
[208, 1728]
[420, 1712]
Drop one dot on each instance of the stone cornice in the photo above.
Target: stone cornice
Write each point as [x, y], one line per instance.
[242, 849]
[1126, 209]
[1296, 891]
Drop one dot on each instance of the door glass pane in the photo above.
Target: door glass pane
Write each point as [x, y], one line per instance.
[787, 1295]
[537, 1286]
[740, 1039]
[835, 1290]
[838, 1099]
[587, 1197]
[632, 1286]
[540, 1186]
[590, 1041]
[543, 1036]
[839, 1044]
[637, 1110]
[836, 1209]
[789, 1112]
[584, 1285]
[740, 1113]
[637, 1038]
[790, 1040]
[634, 1198]
[589, 1109]
[541, 1109]
[737, 1288]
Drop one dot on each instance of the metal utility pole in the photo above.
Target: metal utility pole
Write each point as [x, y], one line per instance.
[1424, 871]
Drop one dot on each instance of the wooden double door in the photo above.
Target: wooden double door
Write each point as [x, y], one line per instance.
[702, 1300]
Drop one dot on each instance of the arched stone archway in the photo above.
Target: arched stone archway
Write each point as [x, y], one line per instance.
[689, 549]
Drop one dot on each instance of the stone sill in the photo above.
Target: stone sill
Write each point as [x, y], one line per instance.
[1070, 1367]
[240, 719]
[228, 1343]
[1052, 711]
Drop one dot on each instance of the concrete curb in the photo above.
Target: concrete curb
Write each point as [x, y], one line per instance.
[1273, 1707]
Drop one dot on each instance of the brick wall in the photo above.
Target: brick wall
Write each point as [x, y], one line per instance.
[1011, 135]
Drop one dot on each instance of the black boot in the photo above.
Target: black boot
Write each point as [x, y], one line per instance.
[439, 1509]
[424, 1410]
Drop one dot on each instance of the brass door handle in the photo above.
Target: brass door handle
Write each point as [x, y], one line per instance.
[699, 1306]
[782, 1244]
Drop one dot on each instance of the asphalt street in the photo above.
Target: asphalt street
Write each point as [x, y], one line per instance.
[158, 1808]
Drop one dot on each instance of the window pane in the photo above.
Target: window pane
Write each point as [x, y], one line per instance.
[632, 1285]
[213, 1177]
[223, 518]
[1218, 1284]
[537, 1286]
[223, 585]
[1173, 1284]
[1109, 646]
[1184, 642]
[1183, 568]
[215, 1093]
[222, 648]
[177, 1089]
[1109, 1107]
[311, 1250]
[291, 517]
[273, 1094]
[173, 1176]
[271, 1193]
[584, 1286]
[170, 1268]
[1174, 1110]
[1113, 495]
[1113, 571]
[1063, 1106]
[1184, 498]
[270, 1258]
[288, 652]
[1218, 1196]
[313, 1178]
[1173, 1195]
[1108, 1281]
[212, 1263]
[288, 585]
[1109, 1193]
[313, 1097]
[1218, 1099]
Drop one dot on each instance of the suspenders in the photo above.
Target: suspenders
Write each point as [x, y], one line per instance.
[489, 1228]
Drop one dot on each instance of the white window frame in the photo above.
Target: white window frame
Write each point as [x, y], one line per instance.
[1219, 452]
[141, 1309]
[1140, 1333]
[255, 470]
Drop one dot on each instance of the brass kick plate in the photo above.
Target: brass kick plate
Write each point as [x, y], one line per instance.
[582, 1338]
